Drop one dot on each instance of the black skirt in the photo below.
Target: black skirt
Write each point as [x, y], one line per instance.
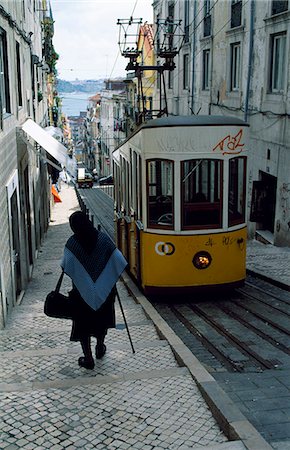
[88, 322]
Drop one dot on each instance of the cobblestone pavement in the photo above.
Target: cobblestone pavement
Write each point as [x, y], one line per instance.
[269, 261]
[129, 401]
[265, 397]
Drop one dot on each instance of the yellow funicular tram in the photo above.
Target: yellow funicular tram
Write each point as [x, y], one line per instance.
[180, 202]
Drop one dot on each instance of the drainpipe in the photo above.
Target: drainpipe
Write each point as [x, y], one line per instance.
[193, 57]
[250, 59]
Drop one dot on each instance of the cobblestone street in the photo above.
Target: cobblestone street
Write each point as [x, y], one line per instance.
[143, 400]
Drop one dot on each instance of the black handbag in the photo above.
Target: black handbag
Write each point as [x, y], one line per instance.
[58, 305]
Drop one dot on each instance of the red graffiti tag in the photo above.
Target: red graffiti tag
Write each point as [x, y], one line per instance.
[230, 145]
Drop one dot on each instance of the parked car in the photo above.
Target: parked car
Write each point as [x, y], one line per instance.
[106, 180]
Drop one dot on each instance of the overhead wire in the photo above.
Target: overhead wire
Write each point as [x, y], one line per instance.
[176, 74]
[118, 52]
[193, 31]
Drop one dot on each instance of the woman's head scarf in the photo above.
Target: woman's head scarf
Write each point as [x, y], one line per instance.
[84, 230]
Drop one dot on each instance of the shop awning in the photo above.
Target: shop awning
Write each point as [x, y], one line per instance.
[46, 141]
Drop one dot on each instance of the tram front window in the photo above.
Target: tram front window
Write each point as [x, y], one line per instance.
[201, 193]
[237, 190]
[160, 193]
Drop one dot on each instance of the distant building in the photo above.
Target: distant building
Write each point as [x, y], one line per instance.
[112, 121]
[93, 128]
[76, 124]
[145, 45]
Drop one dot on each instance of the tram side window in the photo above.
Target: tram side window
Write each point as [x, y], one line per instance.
[201, 181]
[237, 190]
[160, 193]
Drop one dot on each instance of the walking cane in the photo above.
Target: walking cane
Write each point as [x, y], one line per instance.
[119, 300]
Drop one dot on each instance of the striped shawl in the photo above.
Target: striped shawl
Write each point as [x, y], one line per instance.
[94, 274]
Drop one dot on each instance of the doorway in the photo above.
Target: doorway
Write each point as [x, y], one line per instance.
[264, 202]
[15, 243]
[28, 215]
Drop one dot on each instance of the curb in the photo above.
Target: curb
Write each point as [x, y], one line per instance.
[233, 423]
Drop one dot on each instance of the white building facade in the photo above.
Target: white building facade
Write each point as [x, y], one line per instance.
[112, 122]
[24, 179]
[234, 60]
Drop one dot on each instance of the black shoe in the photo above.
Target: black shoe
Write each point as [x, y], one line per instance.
[86, 363]
[100, 350]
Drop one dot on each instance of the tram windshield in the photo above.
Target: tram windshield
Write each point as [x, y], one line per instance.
[201, 193]
[160, 193]
[237, 190]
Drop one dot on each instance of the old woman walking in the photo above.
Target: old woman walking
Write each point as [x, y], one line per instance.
[94, 265]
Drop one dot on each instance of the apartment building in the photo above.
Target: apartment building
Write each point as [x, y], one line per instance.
[233, 59]
[27, 57]
[112, 122]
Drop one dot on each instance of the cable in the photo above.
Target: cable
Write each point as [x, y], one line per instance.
[114, 65]
[190, 35]
[118, 53]
[134, 8]
[195, 29]
[267, 113]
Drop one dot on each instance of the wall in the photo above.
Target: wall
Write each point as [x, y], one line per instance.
[18, 198]
[267, 113]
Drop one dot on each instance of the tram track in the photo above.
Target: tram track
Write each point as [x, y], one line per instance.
[265, 315]
[245, 331]
[257, 329]
[241, 336]
[274, 302]
[235, 341]
[283, 295]
[100, 207]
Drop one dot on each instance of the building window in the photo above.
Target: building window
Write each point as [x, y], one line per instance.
[235, 66]
[149, 112]
[157, 36]
[18, 69]
[170, 29]
[185, 72]
[205, 69]
[236, 13]
[158, 75]
[4, 75]
[170, 79]
[160, 193]
[207, 19]
[277, 62]
[279, 6]
[201, 182]
[186, 21]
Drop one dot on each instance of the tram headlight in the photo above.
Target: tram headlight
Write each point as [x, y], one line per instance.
[202, 260]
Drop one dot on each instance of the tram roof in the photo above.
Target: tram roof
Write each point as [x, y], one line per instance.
[185, 121]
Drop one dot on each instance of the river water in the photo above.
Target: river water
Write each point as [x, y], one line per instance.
[75, 102]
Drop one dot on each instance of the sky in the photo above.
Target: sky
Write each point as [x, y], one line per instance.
[86, 36]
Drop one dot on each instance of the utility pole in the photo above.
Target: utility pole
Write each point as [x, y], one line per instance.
[166, 31]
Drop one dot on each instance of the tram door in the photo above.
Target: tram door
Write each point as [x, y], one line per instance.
[15, 243]
[135, 250]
